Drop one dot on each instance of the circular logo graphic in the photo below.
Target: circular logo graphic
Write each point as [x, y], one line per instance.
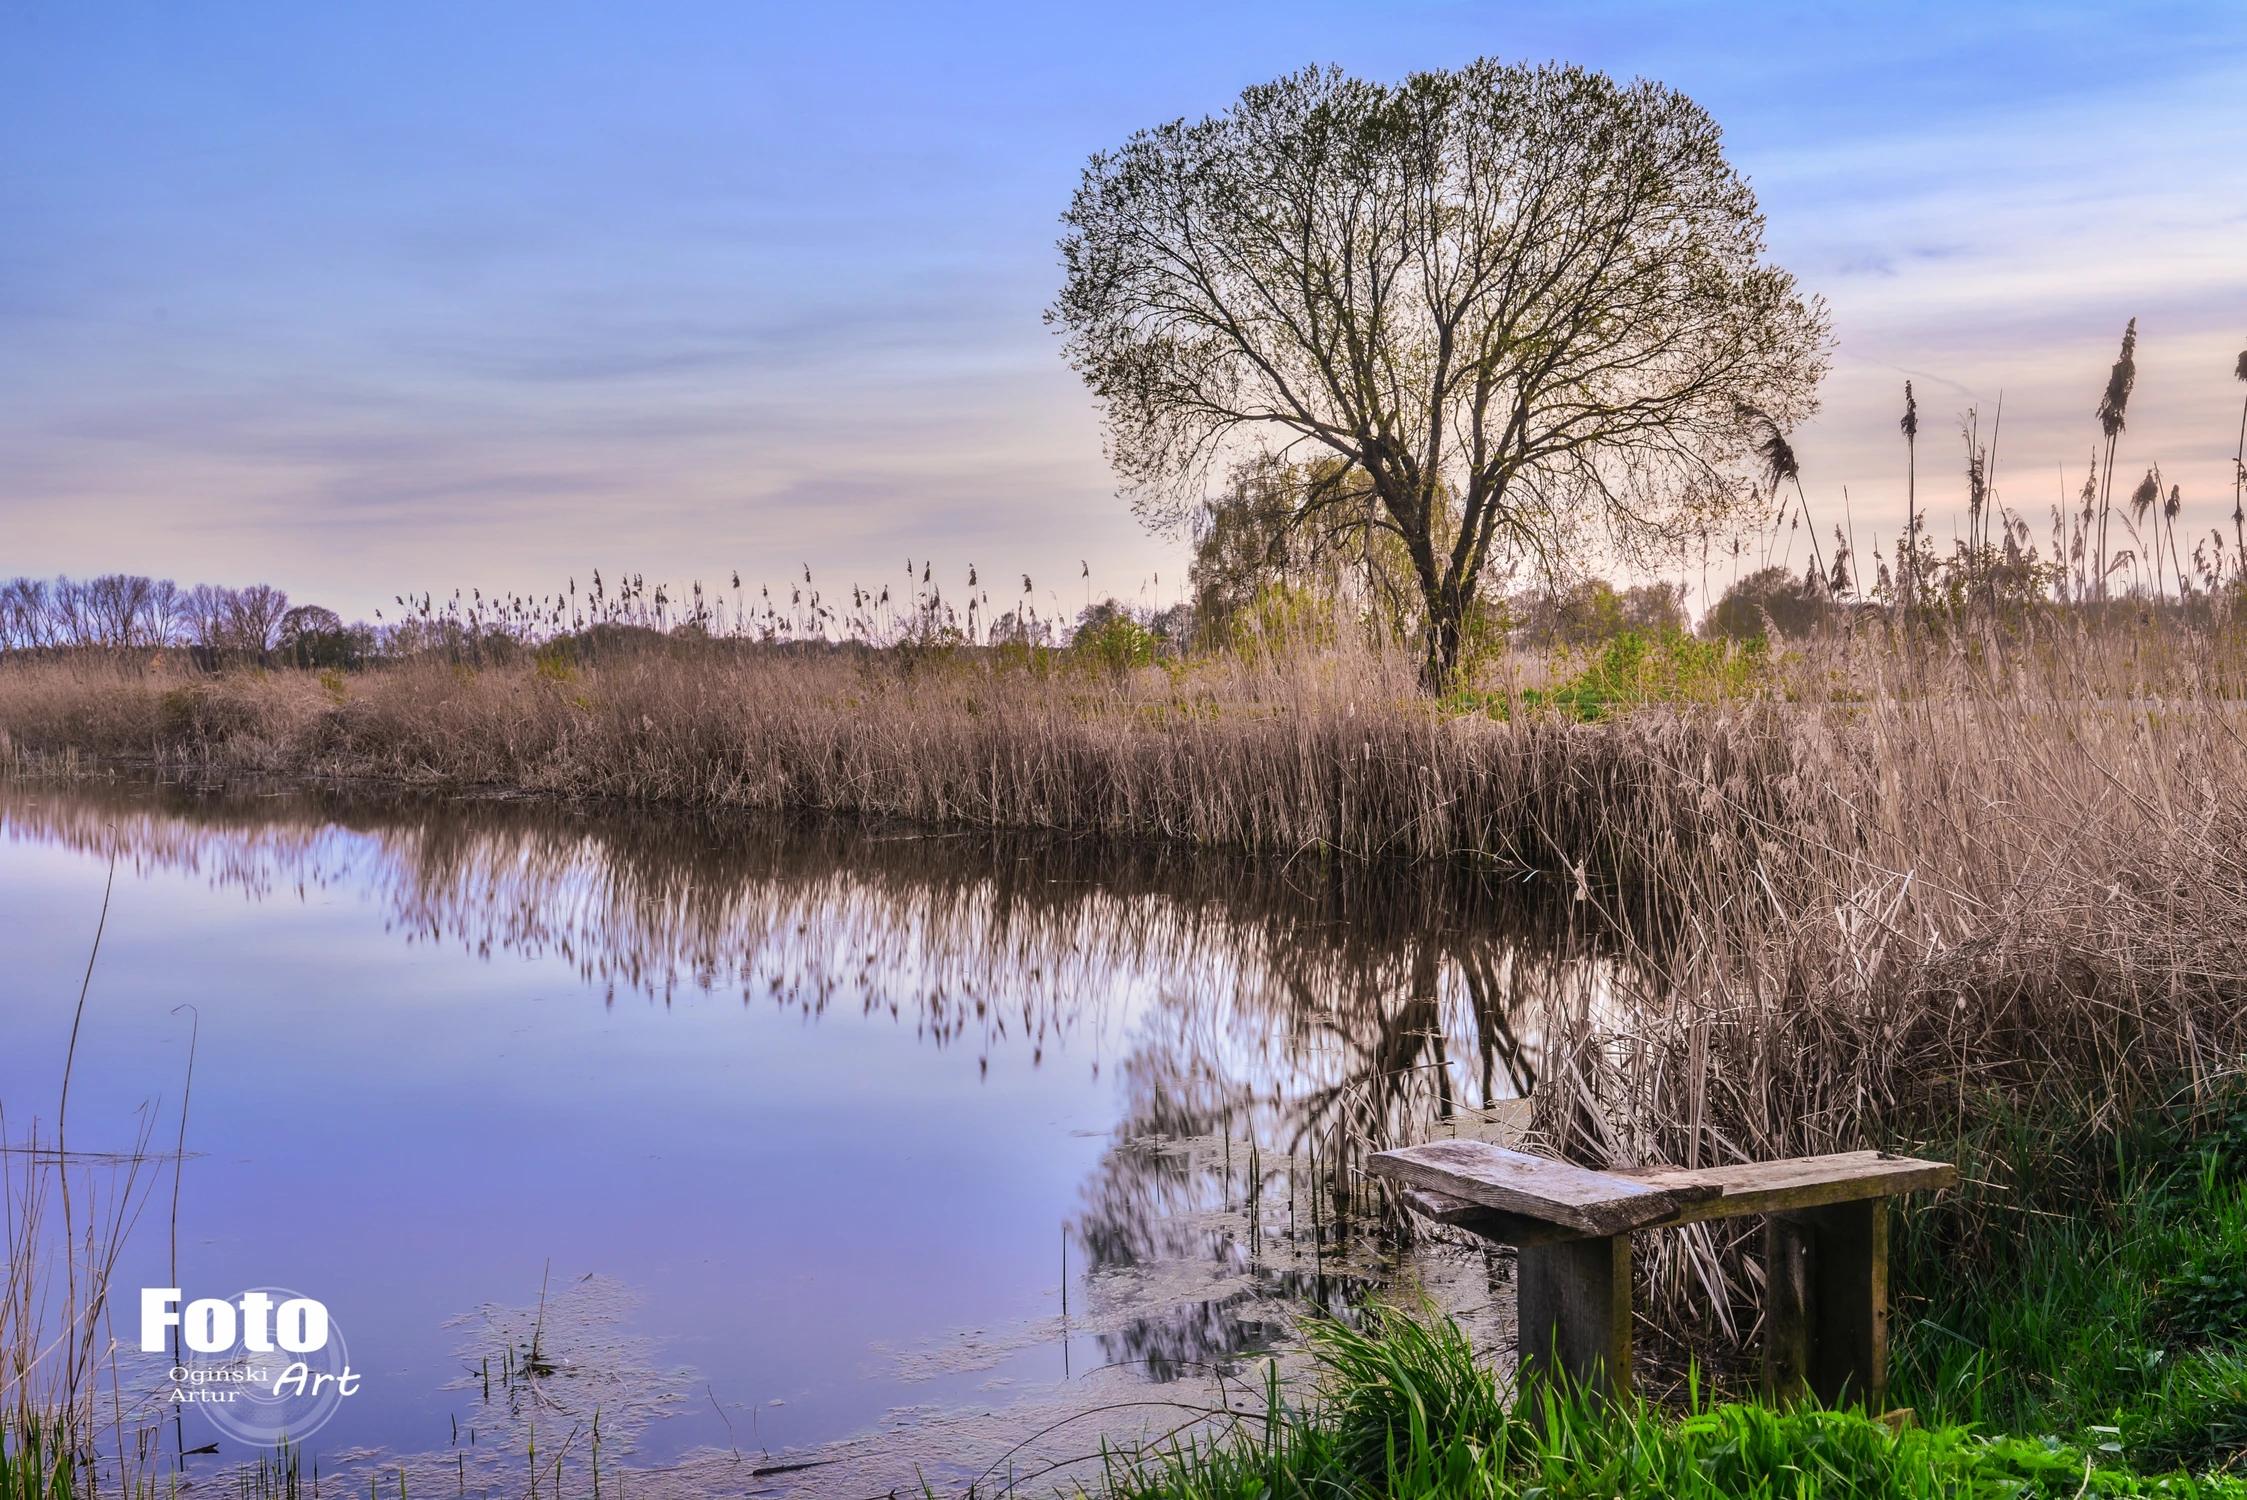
[274, 1372]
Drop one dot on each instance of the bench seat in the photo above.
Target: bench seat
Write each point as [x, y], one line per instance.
[1825, 1251]
[1695, 1193]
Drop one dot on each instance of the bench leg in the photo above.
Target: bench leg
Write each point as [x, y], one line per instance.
[1788, 1247]
[1825, 1320]
[1575, 1314]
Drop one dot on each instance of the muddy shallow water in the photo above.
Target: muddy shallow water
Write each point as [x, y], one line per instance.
[788, 1142]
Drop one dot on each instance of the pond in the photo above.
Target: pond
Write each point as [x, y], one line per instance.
[817, 1157]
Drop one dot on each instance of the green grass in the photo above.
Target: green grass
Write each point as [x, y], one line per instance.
[2080, 1283]
[32, 1465]
[1405, 1410]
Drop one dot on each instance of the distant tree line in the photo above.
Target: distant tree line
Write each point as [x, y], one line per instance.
[217, 625]
[1285, 540]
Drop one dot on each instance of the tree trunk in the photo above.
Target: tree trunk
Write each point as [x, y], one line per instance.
[1440, 667]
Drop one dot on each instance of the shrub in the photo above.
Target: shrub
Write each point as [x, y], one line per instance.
[1109, 638]
[1769, 599]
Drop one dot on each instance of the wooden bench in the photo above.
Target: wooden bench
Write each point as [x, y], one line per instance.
[1825, 1252]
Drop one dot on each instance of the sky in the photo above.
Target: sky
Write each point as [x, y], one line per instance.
[358, 300]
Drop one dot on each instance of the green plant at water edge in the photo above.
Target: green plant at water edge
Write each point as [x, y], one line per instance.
[33, 1466]
[1389, 1420]
[1406, 1384]
[1405, 1409]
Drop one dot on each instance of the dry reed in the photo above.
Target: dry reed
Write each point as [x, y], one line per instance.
[1886, 885]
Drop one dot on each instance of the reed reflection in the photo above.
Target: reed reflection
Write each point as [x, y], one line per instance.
[1264, 1025]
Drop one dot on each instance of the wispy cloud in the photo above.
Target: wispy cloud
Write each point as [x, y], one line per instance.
[496, 295]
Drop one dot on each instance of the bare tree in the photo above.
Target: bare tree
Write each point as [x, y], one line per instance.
[164, 616]
[1524, 304]
[253, 618]
[70, 612]
[114, 608]
[26, 615]
[204, 611]
[124, 611]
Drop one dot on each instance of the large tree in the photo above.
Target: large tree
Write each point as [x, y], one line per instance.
[1528, 307]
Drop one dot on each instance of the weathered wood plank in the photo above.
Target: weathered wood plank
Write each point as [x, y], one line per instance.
[1575, 1314]
[1708, 1193]
[1594, 1202]
[1490, 1223]
[1849, 1302]
[1800, 1182]
[1825, 1319]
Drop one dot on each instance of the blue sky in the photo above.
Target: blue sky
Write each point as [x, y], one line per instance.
[364, 299]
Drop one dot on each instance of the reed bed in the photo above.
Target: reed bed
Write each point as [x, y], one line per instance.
[1885, 887]
[1312, 750]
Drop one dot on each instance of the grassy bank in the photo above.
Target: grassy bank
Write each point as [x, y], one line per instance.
[2088, 1279]
[1403, 1413]
[1407, 1411]
[2091, 1340]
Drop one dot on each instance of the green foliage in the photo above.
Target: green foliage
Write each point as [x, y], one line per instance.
[1404, 1385]
[1029, 658]
[555, 662]
[2206, 1296]
[1584, 614]
[1116, 643]
[1592, 612]
[1280, 614]
[1283, 525]
[1633, 669]
[33, 1465]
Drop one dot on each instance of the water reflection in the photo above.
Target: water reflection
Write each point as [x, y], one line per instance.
[1262, 1025]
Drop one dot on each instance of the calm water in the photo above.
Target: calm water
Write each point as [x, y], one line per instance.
[806, 1131]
